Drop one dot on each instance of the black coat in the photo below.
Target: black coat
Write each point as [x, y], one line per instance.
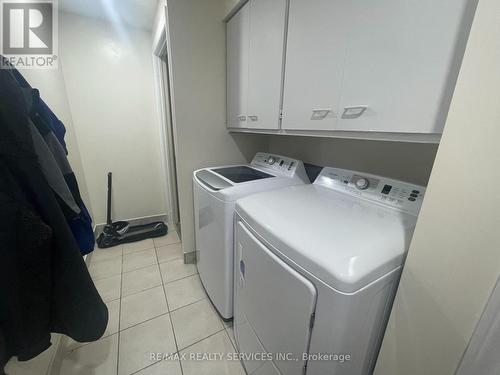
[44, 283]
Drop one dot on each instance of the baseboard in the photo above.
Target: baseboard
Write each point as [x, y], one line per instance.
[134, 221]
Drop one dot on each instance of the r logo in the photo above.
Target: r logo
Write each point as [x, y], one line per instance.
[27, 28]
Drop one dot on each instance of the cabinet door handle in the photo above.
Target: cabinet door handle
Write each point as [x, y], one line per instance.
[354, 112]
[242, 118]
[253, 118]
[320, 114]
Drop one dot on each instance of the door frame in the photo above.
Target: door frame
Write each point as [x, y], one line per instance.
[165, 108]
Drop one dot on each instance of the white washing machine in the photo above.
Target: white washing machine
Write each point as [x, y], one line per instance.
[316, 270]
[215, 193]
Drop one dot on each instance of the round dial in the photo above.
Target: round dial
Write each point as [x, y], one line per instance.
[271, 160]
[362, 183]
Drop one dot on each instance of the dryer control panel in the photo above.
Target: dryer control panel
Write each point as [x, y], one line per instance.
[404, 196]
[279, 165]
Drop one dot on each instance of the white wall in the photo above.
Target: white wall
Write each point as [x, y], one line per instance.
[109, 81]
[197, 45]
[454, 259]
[411, 162]
[52, 89]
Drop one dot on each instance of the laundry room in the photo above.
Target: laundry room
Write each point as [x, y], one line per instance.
[261, 187]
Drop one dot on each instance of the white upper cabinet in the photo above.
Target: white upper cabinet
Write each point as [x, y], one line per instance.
[316, 43]
[267, 35]
[400, 65]
[255, 44]
[381, 69]
[238, 31]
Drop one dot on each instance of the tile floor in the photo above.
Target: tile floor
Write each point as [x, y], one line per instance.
[156, 304]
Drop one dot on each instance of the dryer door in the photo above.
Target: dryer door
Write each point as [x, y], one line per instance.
[274, 307]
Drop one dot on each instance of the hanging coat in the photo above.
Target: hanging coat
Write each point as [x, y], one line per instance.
[68, 195]
[52, 131]
[55, 124]
[45, 284]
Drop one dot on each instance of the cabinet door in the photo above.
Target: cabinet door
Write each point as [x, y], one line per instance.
[237, 34]
[315, 55]
[267, 30]
[400, 64]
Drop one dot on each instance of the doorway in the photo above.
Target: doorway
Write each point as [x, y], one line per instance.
[167, 130]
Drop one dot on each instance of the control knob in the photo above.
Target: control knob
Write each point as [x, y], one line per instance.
[362, 183]
[271, 160]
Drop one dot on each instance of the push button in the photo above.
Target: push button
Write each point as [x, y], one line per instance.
[411, 199]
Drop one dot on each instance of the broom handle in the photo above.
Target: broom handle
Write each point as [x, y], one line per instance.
[110, 183]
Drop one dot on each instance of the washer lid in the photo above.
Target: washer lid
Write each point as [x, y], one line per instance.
[211, 180]
[345, 241]
[241, 173]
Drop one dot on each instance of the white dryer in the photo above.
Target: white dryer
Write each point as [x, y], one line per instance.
[316, 270]
[215, 193]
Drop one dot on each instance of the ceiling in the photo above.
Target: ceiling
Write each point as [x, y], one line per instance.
[135, 13]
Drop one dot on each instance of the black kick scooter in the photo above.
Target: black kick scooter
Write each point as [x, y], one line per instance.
[121, 232]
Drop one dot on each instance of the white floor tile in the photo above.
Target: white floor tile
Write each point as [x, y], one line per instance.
[98, 255]
[230, 332]
[106, 268]
[218, 343]
[113, 318]
[169, 252]
[97, 358]
[140, 280]
[184, 291]
[170, 238]
[142, 306]
[142, 315]
[139, 342]
[109, 288]
[176, 269]
[265, 369]
[132, 247]
[166, 367]
[195, 322]
[139, 259]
